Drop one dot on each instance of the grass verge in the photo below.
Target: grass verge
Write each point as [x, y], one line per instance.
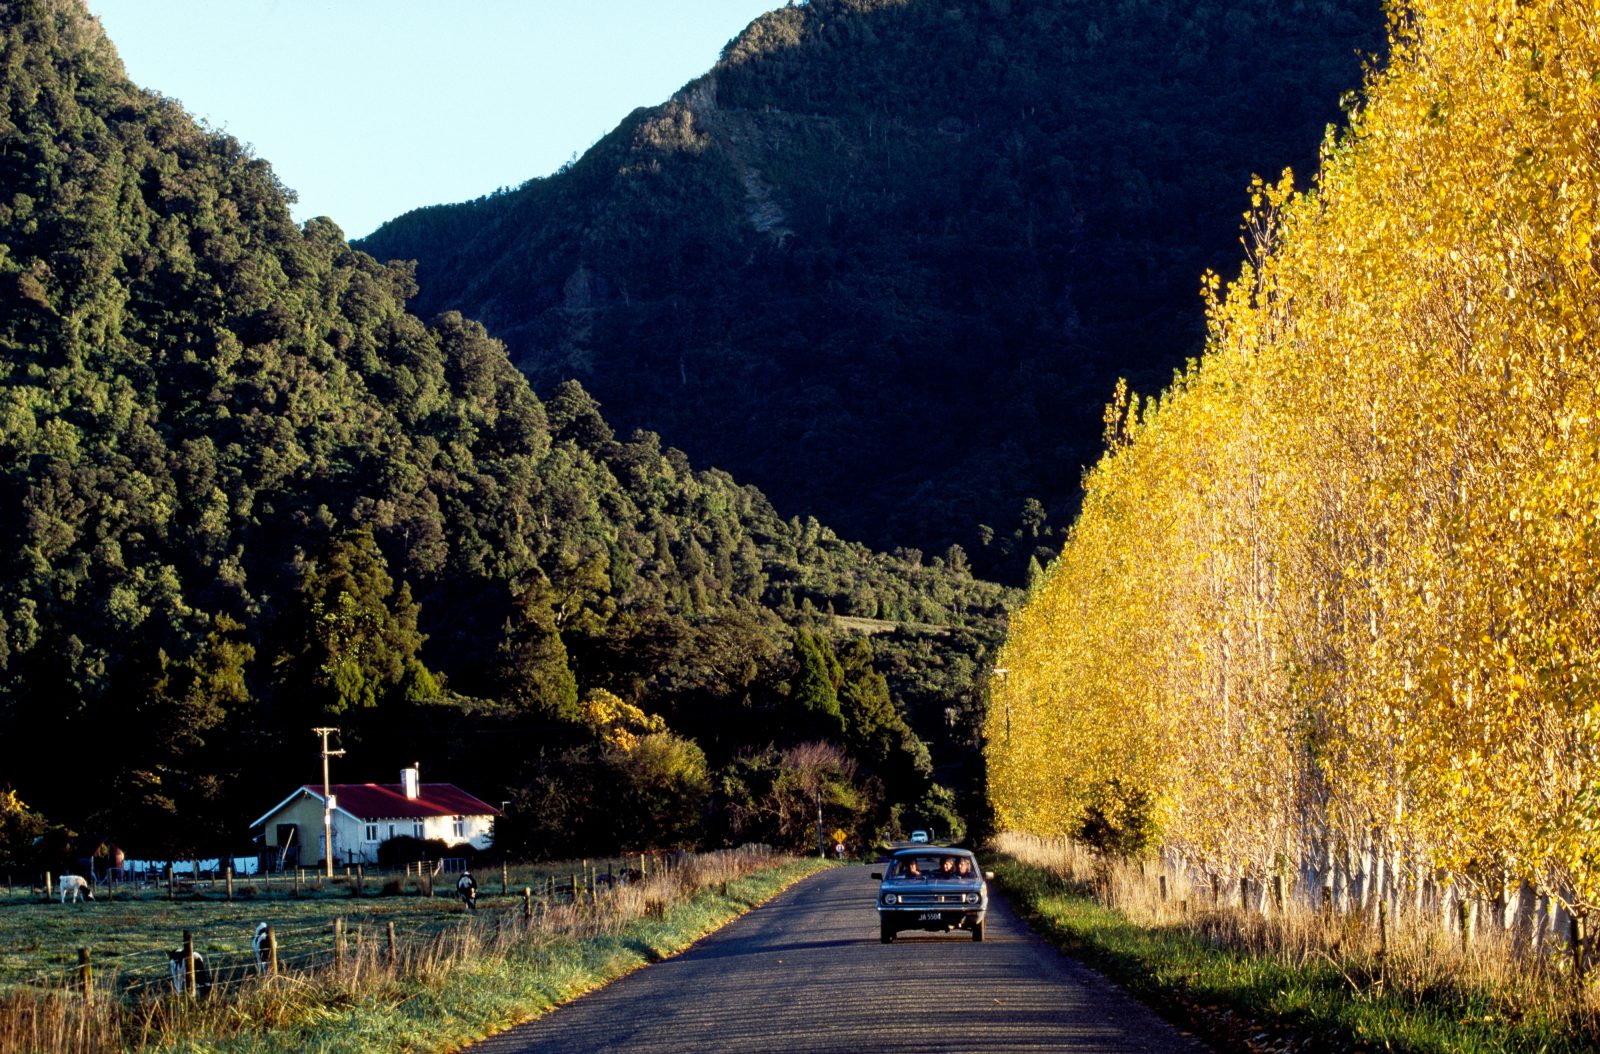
[1244, 998]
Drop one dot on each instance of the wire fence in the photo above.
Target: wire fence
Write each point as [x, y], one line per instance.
[315, 923]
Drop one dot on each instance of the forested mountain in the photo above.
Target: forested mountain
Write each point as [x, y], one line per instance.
[888, 258]
[246, 492]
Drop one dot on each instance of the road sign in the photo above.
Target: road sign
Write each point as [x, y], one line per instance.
[838, 836]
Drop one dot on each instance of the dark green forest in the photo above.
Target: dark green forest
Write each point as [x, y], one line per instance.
[245, 491]
[888, 258]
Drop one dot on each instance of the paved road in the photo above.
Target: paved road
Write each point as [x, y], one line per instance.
[805, 972]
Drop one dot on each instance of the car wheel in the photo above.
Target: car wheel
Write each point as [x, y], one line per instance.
[977, 931]
[885, 933]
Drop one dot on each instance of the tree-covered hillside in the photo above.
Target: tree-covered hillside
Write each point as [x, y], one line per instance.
[889, 257]
[246, 492]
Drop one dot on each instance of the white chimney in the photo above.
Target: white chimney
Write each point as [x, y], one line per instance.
[411, 781]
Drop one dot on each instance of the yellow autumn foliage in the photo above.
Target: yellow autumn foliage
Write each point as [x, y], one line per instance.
[619, 723]
[1334, 598]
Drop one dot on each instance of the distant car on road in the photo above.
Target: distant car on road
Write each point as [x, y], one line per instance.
[926, 888]
[920, 837]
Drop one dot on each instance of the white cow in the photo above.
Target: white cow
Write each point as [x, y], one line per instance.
[78, 886]
[259, 944]
[202, 975]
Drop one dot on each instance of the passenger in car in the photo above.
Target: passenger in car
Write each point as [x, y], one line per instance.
[912, 870]
[964, 868]
[947, 867]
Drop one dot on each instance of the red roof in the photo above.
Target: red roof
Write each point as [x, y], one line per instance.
[387, 801]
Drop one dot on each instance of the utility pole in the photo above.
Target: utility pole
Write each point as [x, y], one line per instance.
[327, 800]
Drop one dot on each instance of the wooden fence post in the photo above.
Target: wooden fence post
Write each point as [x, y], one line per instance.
[527, 903]
[394, 953]
[1580, 958]
[359, 881]
[49, 891]
[171, 886]
[85, 972]
[299, 877]
[188, 964]
[1163, 884]
[338, 941]
[1464, 919]
[1278, 893]
[230, 882]
[272, 951]
[504, 876]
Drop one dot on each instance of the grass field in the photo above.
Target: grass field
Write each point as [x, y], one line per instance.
[131, 930]
[453, 977]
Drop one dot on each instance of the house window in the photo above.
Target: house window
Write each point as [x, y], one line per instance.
[372, 832]
[459, 827]
[416, 829]
[391, 830]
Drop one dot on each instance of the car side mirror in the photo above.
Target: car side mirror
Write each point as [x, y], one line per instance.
[878, 875]
[988, 876]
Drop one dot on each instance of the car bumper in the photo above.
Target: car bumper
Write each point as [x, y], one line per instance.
[931, 918]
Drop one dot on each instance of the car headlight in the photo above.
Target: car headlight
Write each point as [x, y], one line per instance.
[971, 898]
[890, 898]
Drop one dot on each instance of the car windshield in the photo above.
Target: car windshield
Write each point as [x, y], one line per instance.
[931, 866]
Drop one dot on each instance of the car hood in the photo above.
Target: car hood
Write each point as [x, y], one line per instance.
[923, 885]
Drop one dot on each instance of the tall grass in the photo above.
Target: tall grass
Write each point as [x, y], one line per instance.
[344, 1002]
[1298, 967]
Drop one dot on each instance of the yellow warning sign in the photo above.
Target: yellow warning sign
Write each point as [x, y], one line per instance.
[838, 836]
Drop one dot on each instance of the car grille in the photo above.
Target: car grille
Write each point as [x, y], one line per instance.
[930, 898]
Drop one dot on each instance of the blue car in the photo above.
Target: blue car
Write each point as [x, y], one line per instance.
[928, 888]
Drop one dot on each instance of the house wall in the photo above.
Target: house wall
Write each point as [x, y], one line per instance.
[305, 812]
[475, 829]
[349, 845]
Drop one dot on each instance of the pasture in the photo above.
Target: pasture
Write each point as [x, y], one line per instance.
[448, 977]
[128, 930]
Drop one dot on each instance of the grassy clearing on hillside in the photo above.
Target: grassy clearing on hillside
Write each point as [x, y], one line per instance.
[471, 977]
[1301, 981]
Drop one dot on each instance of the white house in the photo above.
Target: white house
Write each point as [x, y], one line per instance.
[364, 815]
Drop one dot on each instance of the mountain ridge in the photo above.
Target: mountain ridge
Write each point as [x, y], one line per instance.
[989, 211]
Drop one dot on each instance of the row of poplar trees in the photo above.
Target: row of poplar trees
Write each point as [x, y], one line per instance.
[1332, 607]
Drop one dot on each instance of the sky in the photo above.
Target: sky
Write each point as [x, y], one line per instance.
[370, 108]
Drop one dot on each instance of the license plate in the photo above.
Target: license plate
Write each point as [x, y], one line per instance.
[930, 916]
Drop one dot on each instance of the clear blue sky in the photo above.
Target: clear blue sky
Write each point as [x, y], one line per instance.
[368, 108]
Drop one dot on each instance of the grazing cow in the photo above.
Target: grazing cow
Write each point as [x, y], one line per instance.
[467, 890]
[259, 944]
[78, 886]
[202, 975]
